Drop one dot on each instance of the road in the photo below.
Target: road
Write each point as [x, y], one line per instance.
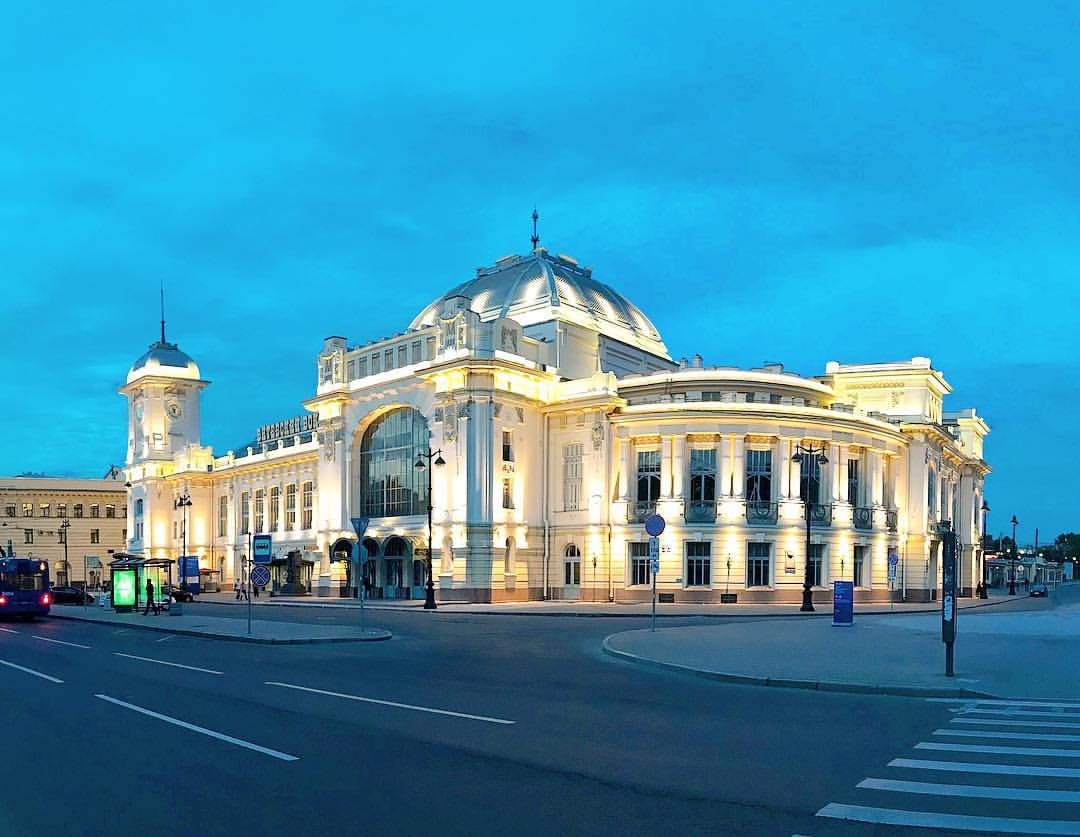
[469, 725]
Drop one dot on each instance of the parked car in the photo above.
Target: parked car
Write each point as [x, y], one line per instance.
[177, 593]
[70, 595]
[1039, 589]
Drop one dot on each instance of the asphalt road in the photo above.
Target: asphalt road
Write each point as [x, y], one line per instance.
[459, 725]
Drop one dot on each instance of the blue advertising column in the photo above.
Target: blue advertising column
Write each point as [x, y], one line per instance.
[843, 603]
[948, 598]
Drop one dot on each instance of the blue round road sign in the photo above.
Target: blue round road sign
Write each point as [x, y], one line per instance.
[655, 524]
[260, 576]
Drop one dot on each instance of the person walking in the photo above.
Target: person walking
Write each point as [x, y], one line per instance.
[150, 600]
[236, 588]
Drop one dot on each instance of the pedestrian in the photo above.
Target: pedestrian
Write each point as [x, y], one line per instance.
[150, 600]
[255, 587]
[236, 588]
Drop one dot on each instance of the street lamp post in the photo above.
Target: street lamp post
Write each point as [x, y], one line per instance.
[808, 456]
[1012, 562]
[983, 594]
[429, 595]
[183, 502]
[67, 567]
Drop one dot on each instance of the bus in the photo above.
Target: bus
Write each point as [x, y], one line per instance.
[24, 588]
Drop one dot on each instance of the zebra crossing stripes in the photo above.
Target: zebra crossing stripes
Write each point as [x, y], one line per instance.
[1014, 800]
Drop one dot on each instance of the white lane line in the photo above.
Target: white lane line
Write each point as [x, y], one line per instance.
[980, 791]
[31, 671]
[166, 663]
[218, 735]
[1018, 713]
[393, 703]
[165, 638]
[121, 631]
[1047, 704]
[1023, 736]
[1049, 752]
[59, 641]
[1001, 722]
[8, 631]
[978, 767]
[938, 821]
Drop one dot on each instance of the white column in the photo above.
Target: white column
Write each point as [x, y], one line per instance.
[627, 476]
[723, 465]
[838, 489]
[875, 495]
[782, 468]
[738, 466]
[843, 456]
[665, 466]
[678, 467]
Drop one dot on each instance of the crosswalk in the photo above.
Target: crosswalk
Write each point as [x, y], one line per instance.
[1000, 766]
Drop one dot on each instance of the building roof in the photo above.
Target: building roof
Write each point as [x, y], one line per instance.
[164, 359]
[540, 287]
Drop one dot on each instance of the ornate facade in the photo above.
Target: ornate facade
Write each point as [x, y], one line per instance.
[556, 422]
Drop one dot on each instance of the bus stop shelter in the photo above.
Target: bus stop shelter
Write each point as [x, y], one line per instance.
[128, 577]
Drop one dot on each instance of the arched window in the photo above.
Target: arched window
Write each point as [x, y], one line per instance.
[572, 566]
[386, 482]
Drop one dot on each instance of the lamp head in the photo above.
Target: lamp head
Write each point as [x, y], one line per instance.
[439, 460]
[419, 464]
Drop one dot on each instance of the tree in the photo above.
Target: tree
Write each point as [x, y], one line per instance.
[1069, 545]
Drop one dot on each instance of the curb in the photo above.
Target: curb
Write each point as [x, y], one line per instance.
[791, 683]
[378, 635]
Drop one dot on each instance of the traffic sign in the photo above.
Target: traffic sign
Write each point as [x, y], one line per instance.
[655, 524]
[655, 566]
[263, 549]
[260, 576]
[654, 548]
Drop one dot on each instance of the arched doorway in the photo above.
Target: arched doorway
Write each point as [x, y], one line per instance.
[572, 573]
[370, 549]
[341, 553]
[394, 587]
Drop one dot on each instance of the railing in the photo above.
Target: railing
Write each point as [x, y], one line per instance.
[640, 511]
[863, 517]
[821, 513]
[700, 512]
[940, 527]
[760, 513]
[891, 519]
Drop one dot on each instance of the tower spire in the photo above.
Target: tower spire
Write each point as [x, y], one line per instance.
[535, 237]
[162, 310]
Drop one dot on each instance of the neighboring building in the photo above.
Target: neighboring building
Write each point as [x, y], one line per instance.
[562, 423]
[40, 513]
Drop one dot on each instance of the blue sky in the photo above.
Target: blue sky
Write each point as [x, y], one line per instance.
[841, 181]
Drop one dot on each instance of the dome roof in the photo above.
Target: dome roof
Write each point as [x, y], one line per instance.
[165, 360]
[538, 288]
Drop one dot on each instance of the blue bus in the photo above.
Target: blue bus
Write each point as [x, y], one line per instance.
[24, 588]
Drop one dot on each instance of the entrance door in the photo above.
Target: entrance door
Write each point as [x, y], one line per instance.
[419, 578]
[572, 574]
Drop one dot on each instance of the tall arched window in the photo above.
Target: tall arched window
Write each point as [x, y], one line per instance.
[386, 482]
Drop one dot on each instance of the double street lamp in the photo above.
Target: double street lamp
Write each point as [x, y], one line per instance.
[1012, 562]
[183, 502]
[808, 458]
[983, 594]
[429, 594]
[67, 567]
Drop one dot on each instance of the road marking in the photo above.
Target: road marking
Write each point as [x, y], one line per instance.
[393, 703]
[31, 671]
[59, 641]
[218, 735]
[167, 663]
[1039, 703]
[165, 638]
[1049, 752]
[1001, 722]
[1023, 736]
[8, 631]
[977, 767]
[981, 791]
[938, 821]
[121, 631]
[1018, 713]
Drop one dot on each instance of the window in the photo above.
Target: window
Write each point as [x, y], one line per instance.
[758, 564]
[858, 555]
[290, 506]
[508, 494]
[931, 485]
[245, 512]
[430, 343]
[95, 510]
[388, 359]
[43, 510]
[375, 364]
[648, 476]
[9, 509]
[27, 509]
[61, 509]
[110, 510]
[759, 476]
[361, 367]
[853, 481]
[138, 508]
[416, 352]
[223, 516]
[78, 510]
[275, 508]
[95, 536]
[817, 554]
[308, 510]
[639, 562]
[28, 535]
[572, 459]
[810, 479]
[175, 530]
[702, 476]
[260, 509]
[572, 566]
[402, 355]
[698, 564]
[508, 446]
[386, 483]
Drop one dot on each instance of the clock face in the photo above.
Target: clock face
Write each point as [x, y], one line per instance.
[174, 410]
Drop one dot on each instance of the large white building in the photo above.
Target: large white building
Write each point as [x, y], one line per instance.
[561, 423]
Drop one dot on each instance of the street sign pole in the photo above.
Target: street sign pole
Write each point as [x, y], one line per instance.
[654, 527]
[359, 525]
[246, 584]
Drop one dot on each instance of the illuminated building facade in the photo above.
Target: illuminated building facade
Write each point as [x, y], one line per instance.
[562, 422]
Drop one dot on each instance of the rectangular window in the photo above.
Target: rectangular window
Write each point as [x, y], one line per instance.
[9, 509]
[858, 556]
[508, 494]
[508, 446]
[759, 476]
[639, 562]
[245, 512]
[27, 509]
[95, 510]
[572, 572]
[853, 481]
[61, 509]
[430, 347]
[43, 510]
[138, 508]
[361, 367]
[275, 508]
[648, 476]
[388, 359]
[308, 506]
[572, 460]
[698, 564]
[351, 368]
[375, 364]
[417, 354]
[110, 510]
[931, 485]
[702, 477]
[260, 509]
[223, 516]
[28, 535]
[290, 507]
[95, 536]
[77, 510]
[402, 356]
[758, 565]
[817, 556]
[810, 479]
